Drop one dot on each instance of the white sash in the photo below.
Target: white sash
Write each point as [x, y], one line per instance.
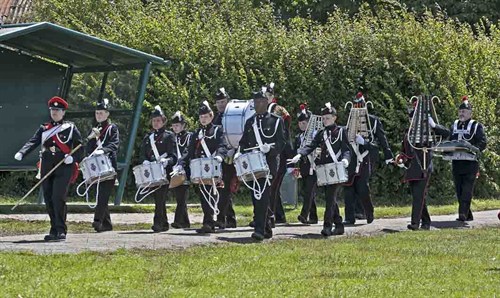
[153, 146]
[204, 145]
[462, 132]
[329, 146]
[50, 133]
[256, 133]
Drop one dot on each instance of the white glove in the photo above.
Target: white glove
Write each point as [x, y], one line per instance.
[164, 161]
[388, 161]
[178, 168]
[431, 122]
[18, 156]
[96, 131]
[99, 152]
[265, 148]
[231, 152]
[237, 154]
[360, 140]
[295, 159]
[345, 162]
[146, 162]
[68, 159]
[218, 159]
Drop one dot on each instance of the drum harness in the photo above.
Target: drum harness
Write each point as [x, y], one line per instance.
[328, 144]
[256, 188]
[213, 201]
[145, 191]
[98, 181]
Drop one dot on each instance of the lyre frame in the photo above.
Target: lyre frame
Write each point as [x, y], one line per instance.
[367, 116]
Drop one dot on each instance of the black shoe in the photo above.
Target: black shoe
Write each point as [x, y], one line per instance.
[412, 227]
[257, 236]
[359, 216]
[369, 218]
[273, 222]
[461, 217]
[339, 229]
[302, 219]
[100, 228]
[469, 218]
[281, 221]
[231, 225]
[205, 229]
[252, 224]
[159, 229]
[425, 227]
[219, 224]
[50, 237]
[61, 236]
[312, 221]
[349, 222]
[326, 232]
[268, 234]
[176, 225]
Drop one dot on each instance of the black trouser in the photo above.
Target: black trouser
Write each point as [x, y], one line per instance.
[261, 208]
[332, 213]
[208, 212]
[464, 186]
[181, 194]
[309, 209]
[226, 211]
[160, 219]
[275, 200]
[101, 214]
[55, 190]
[419, 205]
[358, 190]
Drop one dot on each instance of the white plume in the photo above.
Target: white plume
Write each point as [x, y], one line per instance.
[328, 105]
[271, 85]
[206, 103]
[264, 89]
[106, 101]
[222, 90]
[177, 114]
[159, 109]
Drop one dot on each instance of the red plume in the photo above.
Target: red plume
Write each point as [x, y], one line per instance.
[465, 97]
[302, 106]
[359, 95]
[275, 100]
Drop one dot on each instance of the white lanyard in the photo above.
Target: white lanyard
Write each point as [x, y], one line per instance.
[153, 146]
[329, 146]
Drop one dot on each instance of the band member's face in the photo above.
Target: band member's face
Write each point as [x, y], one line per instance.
[260, 105]
[178, 127]
[269, 97]
[206, 119]
[101, 115]
[464, 114]
[221, 105]
[157, 122]
[328, 119]
[57, 114]
[303, 125]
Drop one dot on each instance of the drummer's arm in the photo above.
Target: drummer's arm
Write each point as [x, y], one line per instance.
[77, 140]
[382, 139]
[480, 138]
[222, 150]
[171, 150]
[113, 141]
[318, 138]
[441, 131]
[32, 143]
[279, 142]
[244, 138]
[344, 146]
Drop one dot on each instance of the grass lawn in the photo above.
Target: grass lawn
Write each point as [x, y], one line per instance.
[445, 263]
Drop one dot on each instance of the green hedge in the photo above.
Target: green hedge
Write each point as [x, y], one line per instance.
[387, 52]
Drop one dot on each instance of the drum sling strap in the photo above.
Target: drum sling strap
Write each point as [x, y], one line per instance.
[213, 201]
[256, 188]
[329, 147]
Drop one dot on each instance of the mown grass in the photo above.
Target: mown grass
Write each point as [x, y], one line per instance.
[445, 263]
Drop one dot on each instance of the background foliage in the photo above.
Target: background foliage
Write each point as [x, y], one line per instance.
[380, 47]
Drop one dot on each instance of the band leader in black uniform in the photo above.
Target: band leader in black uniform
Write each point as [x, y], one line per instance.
[58, 138]
[465, 172]
[337, 137]
[181, 192]
[308, 214]
[418, 178]
[357, 188]
[213, 137]
[107, 141]
[164, 141]
[270, 130]
[226, 217]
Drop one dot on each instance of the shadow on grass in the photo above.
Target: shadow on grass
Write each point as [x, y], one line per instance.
[238, 240]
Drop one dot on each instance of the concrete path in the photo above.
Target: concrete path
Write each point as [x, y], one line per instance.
[179, 239]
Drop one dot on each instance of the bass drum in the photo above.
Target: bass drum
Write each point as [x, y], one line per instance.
[233, 122]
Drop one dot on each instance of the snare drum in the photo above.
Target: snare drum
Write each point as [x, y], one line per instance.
[331, 173]
[150, 175]
[250, 164]
[205, 170]
[97, 167]
[233, 121]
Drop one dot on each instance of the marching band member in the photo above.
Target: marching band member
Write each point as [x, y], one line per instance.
[207, 140]
[413, 162]
[278, 213]
[465, 172]
[357, 188]
[181, 192]
[333, 139]
[308, 214]
[226, 217]
[58, 138]
[159, 146]
[106, 141]
[260, 131]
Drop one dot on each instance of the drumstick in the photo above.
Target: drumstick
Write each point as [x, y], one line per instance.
[46, 176]
[257, 147]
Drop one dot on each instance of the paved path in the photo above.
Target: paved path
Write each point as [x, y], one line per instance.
[178, 239]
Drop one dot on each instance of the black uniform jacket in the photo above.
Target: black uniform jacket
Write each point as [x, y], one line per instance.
[110, 140]
[475, 135]
[165, 143]
[338, 139]
[414, 158]
[58, 139]
[214, 138]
